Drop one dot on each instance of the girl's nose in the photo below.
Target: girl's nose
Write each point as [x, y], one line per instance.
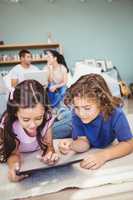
[32, 124]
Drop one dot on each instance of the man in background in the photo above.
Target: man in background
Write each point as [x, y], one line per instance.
[17, 72]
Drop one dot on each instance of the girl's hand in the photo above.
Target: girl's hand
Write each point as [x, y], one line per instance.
[93, 161]
[53, 88]
[50, 158]
[65, 146]
[12, 173]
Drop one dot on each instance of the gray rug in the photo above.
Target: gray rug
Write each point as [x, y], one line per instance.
[117, 171]
[55, 179]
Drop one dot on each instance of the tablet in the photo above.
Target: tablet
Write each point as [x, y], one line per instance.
[31, 162]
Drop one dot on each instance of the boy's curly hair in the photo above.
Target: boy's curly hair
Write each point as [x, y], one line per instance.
[93, 86]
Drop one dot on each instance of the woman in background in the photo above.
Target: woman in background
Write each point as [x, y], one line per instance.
[58, 76]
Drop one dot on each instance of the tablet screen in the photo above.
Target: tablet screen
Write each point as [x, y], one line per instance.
[31, 162]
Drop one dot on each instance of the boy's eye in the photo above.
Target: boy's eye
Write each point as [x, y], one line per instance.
[84, 108]
[40, 118]
[87, 109]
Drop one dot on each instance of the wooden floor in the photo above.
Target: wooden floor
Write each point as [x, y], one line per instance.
[67, 193]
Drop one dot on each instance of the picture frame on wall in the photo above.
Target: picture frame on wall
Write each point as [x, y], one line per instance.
[101, 64]
[90, 62]
[109, 64]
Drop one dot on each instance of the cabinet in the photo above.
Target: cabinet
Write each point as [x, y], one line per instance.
[9, 53]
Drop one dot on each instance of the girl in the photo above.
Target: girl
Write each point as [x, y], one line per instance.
[26, 127]
[58, 74]
[97, 121]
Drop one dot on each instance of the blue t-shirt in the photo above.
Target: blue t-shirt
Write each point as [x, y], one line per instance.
[100, 132]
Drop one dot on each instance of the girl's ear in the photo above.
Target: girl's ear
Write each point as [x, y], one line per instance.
[16, 114]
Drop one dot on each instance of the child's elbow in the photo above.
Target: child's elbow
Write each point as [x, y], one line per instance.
[130, 143]
[127, 146]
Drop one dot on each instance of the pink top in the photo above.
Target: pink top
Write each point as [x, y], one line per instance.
[27, 143]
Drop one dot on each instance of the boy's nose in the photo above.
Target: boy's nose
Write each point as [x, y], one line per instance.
[82, 112]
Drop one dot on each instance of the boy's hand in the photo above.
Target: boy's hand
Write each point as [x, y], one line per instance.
[12, 173]
[50, 158]
[80, 145]
[93, 161]
[65, 146]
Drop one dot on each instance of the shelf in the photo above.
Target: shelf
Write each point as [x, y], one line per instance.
[9, 61]
[29, 46]
[16, 62]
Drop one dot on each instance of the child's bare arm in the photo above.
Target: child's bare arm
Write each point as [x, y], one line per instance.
[80, 145]
[48, 140]
[13, 159]
[51, 156]
[121, 149]
[14, 163]
[96, 160]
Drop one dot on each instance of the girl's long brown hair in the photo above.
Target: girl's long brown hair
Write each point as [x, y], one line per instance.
[26, 95]
[93, 86]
